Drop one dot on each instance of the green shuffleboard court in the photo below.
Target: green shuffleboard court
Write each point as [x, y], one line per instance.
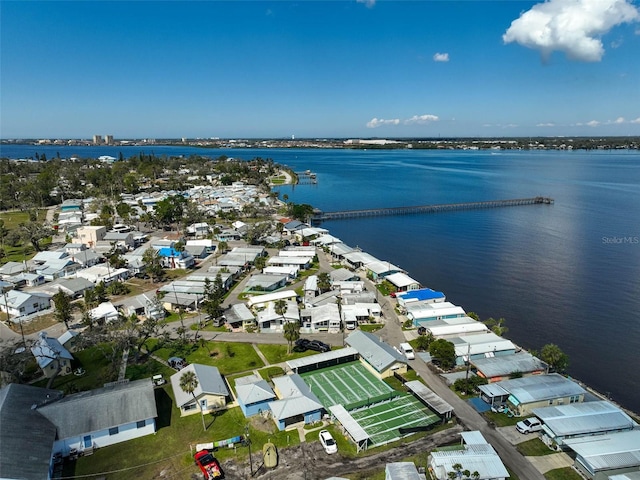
[381, 422]
[350, 385]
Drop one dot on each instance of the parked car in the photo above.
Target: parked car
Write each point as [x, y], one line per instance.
[529, 425]
[158, 380]
[209, 465]
[327, 441]
[301, 345]
[177, 363]
[318, 346]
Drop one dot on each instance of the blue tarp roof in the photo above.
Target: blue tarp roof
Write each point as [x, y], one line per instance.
[421, 294]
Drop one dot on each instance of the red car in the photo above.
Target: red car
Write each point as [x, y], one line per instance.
[209, 465]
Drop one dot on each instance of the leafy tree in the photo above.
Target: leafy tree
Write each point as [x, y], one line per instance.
[444, 352]
[469, 385]
[496, 326]
[153, 265]
[291, 333]
[169, 210]
[424, 341]
[64, 309]
[223, 246]
[324, 282]
[557, 360]
[34, 232]
[302, 212]
[188, 384]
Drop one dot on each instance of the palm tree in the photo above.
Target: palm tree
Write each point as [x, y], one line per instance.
[188, 384]
[291, 333]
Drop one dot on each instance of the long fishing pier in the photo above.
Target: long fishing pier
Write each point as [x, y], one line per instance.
[320, 216]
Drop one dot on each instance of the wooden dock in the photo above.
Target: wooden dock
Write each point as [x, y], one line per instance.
[320, 216]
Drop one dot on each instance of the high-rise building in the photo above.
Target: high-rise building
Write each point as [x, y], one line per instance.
[108, 139]
[97, 139]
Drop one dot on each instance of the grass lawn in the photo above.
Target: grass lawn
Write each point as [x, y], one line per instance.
[371, 327]
[270, 372]
[98, 371]
[32, 326]
[13, 219]
[500, 419]
[345, 447]
[566, 473]
[170, 450]
[534, 448]
[278, 353]
[228, 357]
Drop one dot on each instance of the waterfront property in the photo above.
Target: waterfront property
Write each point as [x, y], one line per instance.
[600, 457]
[423, 312]
[481, 345]
[522, 395]
[564, 422]
[449, 327]
[496, 369]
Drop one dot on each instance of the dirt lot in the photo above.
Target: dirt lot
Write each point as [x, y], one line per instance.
[308, 461]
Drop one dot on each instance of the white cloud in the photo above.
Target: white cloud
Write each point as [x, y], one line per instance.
[368, 3]
[441, 57]
[593, 123]
[619, 120]
[546, 124]
[378, 122]
[637, 120]
[420, 119]
[570, 26]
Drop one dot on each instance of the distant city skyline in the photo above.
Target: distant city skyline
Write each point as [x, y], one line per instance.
[326, 69]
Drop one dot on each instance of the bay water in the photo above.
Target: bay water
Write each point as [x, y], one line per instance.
[567, 273]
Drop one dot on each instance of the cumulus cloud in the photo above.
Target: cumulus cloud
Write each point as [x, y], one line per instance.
[570, 26]
[378, 122]
[637, 120]
[420, 119]
[441, 57]
[546, 124]
[593, 123]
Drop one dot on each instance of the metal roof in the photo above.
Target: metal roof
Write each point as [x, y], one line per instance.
[374, 351]
[102, 408]
[292, 406]
[210, 382]
[254, 392]
[352, 427]
[626, 476]
[502, 365]
[481, 458]
[401, 279]
[428, 396]
[321, 358]
[541, 387]
[584, 418]
[608, 452]
[402, 471]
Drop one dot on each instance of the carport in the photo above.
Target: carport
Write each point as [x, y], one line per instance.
[355, 431]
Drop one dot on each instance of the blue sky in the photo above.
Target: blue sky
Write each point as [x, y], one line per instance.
[336, 68]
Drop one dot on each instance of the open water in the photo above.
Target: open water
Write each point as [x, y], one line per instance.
[567, 273]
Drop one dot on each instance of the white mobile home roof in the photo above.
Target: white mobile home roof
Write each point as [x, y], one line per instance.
[541, 387]
[382, 267]
[298, 253]
[455, 326]
[356, 256]
[481, 343]
[401, 280]
[607, 452]
[340, 249]
[270, 297]
[297, 260]
[419, 311]
[584, 418]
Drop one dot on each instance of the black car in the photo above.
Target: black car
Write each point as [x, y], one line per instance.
[318, 346]
[301, 345]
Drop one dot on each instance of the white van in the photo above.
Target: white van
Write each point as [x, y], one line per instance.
[407, 350]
